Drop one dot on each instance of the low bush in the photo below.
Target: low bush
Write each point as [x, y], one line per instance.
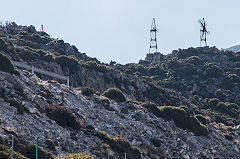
[211, 70]
[180, 115]
[15, 103]
[3, 45]
[201, 118]
[185, 53]
[94, 65]
[87, 91]
[120, 145]
[156, 142]
[5, 152]
[29, 148]
[222, 107]
[22, 150]
[232, 106]
[63, 117]
[67, 61]
[183, 119]
[49, 57]
[151, 107]
[78, 156]
[194, 60]
[156, 70]
[6, 65]
[128, 71]
[213, 102]
[115, 94]
[231, 109]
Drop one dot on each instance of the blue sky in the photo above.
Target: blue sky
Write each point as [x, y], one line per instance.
[119, 29]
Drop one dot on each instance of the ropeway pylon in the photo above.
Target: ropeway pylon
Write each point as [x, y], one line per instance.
[153, 38]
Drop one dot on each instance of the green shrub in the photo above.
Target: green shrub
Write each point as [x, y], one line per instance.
[211, 70]
[15, 103]
[29, 148]
[87, 91]
[78, 156]
[128, 71]
[183, 120]
[151, 107]
[155, 93]
[187, 70]
[195, 99]
[186, 109]
[231, 109]
[6, 65]
[185, 53]
[213, 102]
[28, 53]
[222, 107]
[115, 94]
[232, 105]
[156, 142]
[156, 70]
[63, 117]
[201, 118]
[233, 78]
[141, 69]
[67, 61]
[22, 150]
[49, 57]
[5, 152]
[93, 65]
[3, 45]
[120, 145]
[194, 60]
[230, 81]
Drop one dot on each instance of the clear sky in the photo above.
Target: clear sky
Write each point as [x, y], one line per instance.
[119, 29]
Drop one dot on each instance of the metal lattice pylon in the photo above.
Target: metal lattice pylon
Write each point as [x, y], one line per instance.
[203, 32]
[153, 38]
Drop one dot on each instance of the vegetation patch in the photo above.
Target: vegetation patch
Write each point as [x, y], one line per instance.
[22, 150]
[6, 65]
[213, 102]
[211, 70]
[67, 61]
[231, 109]
[3, 45]
[63, 117]
[181, 116]
[201, 118]
[5, 152]
[152, 107]
[183, 119]
[78, 156]
[94, 65]
[30, 148]
[156, 142]
[120, 145]
[195, 60]
[15, 103]
[115, 94]
[87, 91]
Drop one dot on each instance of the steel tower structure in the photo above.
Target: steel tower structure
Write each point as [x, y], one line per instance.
[203, 32]
[153, 37]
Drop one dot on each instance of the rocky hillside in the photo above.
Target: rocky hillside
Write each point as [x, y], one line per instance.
[185, 104]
